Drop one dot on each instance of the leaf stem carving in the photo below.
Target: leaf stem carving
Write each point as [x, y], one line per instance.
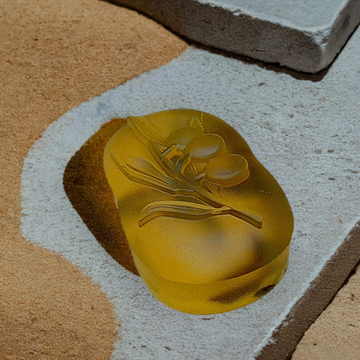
[180, 209]
[174, 183]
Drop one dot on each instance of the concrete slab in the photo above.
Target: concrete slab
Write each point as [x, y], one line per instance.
[302, 35]
[306, 133]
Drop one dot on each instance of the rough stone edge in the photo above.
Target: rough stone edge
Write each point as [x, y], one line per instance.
[308, 50]
[345, 24]
[317, 297]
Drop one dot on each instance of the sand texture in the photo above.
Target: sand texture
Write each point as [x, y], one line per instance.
[53, 56]
[336, 333]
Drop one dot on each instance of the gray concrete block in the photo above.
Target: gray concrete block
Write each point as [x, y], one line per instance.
[303, 35]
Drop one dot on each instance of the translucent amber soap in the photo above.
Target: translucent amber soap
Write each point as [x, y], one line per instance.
[208, 226]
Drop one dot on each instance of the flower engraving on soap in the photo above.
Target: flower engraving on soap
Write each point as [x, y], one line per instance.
[193, 164]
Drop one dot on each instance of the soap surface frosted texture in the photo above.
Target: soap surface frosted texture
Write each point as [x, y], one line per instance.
[208, 226]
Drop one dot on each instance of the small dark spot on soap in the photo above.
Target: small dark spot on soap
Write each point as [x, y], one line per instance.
[167, 348]
[229, 296]
[331, 178]
[261, 84]
[264, 290]
[330, 151]
[35, 39]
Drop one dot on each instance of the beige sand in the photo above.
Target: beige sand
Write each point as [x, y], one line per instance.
[335, 335]
[53, 56]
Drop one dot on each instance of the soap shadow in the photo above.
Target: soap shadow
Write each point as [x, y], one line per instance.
[86, 186]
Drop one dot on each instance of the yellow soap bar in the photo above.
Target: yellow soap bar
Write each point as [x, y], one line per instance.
[208, 226]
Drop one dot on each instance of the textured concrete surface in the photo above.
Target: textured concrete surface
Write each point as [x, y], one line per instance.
[319, 296]
[306, 134]
[303, 35]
